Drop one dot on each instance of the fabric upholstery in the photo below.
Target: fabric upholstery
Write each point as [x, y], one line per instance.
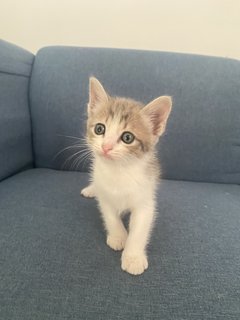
[55, 263]
[202, 142]
[15, 124]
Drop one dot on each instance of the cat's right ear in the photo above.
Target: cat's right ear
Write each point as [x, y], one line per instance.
[97, 95]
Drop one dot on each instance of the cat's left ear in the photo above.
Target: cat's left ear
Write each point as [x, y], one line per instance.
[158, 112]
[97, 94]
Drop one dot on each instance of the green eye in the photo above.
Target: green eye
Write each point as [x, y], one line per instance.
[99, 128]
[127, 137]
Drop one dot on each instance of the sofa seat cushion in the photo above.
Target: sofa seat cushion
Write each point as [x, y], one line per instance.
[55, 263]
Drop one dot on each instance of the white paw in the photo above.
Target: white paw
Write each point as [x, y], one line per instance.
[134, 263]
[117, 243]
[88, 192]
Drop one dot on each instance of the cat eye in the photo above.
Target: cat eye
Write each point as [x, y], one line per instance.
[99, 128]
[127, 137]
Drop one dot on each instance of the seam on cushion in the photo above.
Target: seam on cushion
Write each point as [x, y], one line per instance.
[30, 111]
[14, 74]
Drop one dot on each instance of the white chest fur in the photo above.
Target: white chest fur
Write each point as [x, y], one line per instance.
[123, 186]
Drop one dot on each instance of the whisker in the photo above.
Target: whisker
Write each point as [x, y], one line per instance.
[88, 157]
[71, 137]
[76, 160]
[65, 149]
[72, 156]
[82, 158]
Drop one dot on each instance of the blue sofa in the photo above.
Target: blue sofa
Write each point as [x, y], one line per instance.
[54, 263]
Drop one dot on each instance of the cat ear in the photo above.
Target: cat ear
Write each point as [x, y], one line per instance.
[158, 111]
[97, 94]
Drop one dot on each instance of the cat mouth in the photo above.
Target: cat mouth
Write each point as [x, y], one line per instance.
[106, 156]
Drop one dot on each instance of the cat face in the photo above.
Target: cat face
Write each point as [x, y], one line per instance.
[123, 129]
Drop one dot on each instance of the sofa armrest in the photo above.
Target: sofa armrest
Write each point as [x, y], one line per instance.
[15, 124]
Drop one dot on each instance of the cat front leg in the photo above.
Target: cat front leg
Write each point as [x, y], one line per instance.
[134, 257]
[88, 192]
[116, 232]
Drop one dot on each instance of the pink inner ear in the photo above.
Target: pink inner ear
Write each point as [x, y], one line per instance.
[97, 94]
[156, 122]
[158, 111]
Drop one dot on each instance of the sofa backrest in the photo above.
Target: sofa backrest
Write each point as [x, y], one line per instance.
[202, 140]
[15, 124]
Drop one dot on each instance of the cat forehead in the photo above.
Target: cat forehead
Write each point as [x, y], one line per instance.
[121, 110]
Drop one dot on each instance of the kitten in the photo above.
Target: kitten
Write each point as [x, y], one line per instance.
[122, 134]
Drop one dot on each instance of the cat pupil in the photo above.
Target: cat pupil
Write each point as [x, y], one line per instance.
[128, 137]
[99, 128]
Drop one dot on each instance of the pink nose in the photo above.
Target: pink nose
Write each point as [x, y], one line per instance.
[107, 147]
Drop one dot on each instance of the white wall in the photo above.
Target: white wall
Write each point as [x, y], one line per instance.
[209, 27]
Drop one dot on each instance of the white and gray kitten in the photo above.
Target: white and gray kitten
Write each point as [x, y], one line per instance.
[122, 134]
